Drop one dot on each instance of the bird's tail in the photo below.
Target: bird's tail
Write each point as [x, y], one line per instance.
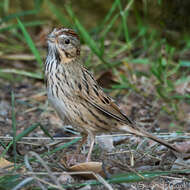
[139, 132]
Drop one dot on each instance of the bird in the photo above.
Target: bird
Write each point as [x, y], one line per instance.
[76, 96]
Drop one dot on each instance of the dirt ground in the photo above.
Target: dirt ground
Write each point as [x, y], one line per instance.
[118, 154]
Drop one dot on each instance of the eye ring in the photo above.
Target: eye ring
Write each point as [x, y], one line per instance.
[67, 41]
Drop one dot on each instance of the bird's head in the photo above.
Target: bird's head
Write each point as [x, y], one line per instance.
[65, 42]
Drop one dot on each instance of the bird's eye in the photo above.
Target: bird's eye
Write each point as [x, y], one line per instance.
[67, 41]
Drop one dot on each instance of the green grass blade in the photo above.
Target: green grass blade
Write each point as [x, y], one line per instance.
[14, 127]
[60, 17]
[26, 24]
[110, 25]
[30, 43]
[184, 63]
[27, 131]
[84, 34]
[19, 137]
[124, 15]
[130, 177]
[144, 61]
[8, 182]
[2, 144]
[119, 51]
[36, 9]
[118, 33]
[66, 145]
[133, 177]
[22, 72]
[125, 29]
[15, 15]
[45, 131]
[23, 183]
[6, 6]
[182, 80]
[37, 4]
[109, 14]
[181, 97]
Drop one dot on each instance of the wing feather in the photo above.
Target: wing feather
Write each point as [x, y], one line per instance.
[97, 98]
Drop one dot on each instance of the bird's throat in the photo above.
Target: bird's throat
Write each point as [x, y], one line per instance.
[66, 60]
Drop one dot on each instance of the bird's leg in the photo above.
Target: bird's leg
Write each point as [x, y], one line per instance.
[92, 140]
[84, 139]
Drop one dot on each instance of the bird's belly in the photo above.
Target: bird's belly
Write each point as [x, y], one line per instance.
[65, 112]
[58, 105]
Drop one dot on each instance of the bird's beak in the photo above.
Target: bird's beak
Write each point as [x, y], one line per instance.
[50, 38]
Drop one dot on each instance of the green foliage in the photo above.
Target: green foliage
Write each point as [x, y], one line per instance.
[37, 6]
[130, 177]
[84, 34]
[14, 126]
[30, 42]
[8, 182]
[19, 137]
[34, 75]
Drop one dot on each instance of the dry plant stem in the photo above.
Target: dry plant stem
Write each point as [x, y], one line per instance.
[76, 96]
[50, 173]
[83, 141]
[169, 135]
[92, 139]
[29, 167]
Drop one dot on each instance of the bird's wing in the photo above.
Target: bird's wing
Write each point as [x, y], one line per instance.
[94, 95]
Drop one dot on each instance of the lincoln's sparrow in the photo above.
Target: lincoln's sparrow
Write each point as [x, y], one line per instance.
[76, 96]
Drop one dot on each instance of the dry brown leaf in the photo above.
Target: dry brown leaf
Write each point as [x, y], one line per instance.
[95, 167]
[6, 164]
